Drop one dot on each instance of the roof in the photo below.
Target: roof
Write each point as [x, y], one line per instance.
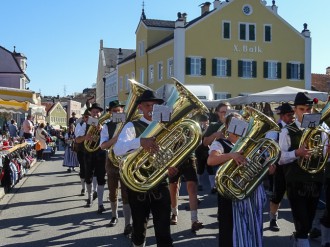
[321, 82]
[158, 23]
[110, 57]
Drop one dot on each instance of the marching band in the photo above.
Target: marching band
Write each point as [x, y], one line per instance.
[151, 153]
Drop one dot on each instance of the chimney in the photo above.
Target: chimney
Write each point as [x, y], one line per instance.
[184, 17]
[101, 44]
[205, 7]
[119, 56]
[306, 32]
[274, 7]
[216, 4]
[180, 21]
[328, 71]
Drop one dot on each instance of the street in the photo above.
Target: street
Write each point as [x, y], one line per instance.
[45, 209]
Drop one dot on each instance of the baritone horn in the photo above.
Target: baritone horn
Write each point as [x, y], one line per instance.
[312, 140]
[131, 112]
[238, 182]
[142, 171]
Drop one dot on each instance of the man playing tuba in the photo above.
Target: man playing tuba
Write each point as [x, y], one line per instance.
[156, 200]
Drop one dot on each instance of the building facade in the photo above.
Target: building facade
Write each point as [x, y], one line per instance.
[236, 47]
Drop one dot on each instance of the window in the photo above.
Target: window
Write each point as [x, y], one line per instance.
[160, 71]
[247, 69]
[151, 74]
[221, 67]
[141, 48]
[222, 95]
[247, 32]
[267, 33]
[120, 83]
[195, 66]
[226, 30]
[141, 76]
[272, 70]
[295, 71]
[170, 68]
[126, 82]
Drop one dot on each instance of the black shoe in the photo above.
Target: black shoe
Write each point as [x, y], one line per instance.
[128, 230]
[113, 222]
[273, 225]
[101, 209]
[89, 203]
[314, 233]
[82, 193]
[196, 226]
[69, 170]
[94, 195]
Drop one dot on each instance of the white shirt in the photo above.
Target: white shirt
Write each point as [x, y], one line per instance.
[127, 140]
[80, 130]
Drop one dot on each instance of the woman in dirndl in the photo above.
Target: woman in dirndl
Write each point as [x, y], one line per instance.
[70, 157]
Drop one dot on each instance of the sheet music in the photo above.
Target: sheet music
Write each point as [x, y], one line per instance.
[161, 113]
[92, 121]
[237, 126]
[119, 117]
[311, 120]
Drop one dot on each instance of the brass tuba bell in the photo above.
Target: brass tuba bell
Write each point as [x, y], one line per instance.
[238, 182]
[312, 140]
[131, 112]
[140, 170]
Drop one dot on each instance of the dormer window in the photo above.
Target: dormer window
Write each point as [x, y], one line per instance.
[141, 48]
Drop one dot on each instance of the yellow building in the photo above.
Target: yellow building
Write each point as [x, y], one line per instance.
[238, 47]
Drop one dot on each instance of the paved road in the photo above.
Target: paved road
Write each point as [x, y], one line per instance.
[45, 209]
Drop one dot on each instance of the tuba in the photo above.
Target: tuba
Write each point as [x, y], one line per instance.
[312, 139]
[131, 113]
[140, 170]
[94, 131]
[238, 182]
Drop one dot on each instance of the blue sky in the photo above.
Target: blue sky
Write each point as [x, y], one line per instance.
[61, 38]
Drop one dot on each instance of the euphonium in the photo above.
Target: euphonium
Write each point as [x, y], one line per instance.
[238, 182]
[140, 170]
[131, 113]
[312, 140]
[94, 131]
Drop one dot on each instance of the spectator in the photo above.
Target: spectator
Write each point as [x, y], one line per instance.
[73, 119]
[13, 129]
[41, 136]
[28, 127]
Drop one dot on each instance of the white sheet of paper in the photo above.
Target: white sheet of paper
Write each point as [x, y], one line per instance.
[161, 113]
[118, 117]
[237, 126]
[92, 121]
[311, 120]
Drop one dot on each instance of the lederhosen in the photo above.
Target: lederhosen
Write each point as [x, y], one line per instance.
[113, 172]
[303, 189]
[157, 201]
[94, 164]
[202, 152]
[279, 183]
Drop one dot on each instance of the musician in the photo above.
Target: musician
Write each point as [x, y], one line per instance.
[303, 188]
[80, 131]
[286, 114]
[156, 200]
[107, 140]
[94, 163]
[240, 222]
[209, 136]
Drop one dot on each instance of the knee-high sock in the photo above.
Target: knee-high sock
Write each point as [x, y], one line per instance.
[89, 192]
[193, 215]
[114, 209]
[94, 184]
[83, 184]
[175, 210]
[100, 191]
[127, 214]
[212, 180]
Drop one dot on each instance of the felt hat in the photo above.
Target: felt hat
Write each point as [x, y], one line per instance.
[284, 108]
[303, 99]
[114, 104]
[87, 113]
[149, 95]
[96, 106]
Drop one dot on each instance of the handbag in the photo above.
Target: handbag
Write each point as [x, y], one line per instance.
[38, 146]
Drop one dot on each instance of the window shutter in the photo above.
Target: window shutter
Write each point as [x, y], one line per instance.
[279, 70]
[240, 68]
[242, 34]
[226, 30]
[288, 71]
[214, 67]
[188, 64]
[228, 95]
[267, 33]
[254, 69]
[228, 72]
[203, 66]
[265, 69]
[302, 71]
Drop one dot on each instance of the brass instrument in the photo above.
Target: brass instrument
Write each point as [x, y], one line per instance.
[312, 139]
[238, 182]
[140, 170]
[131, 113]
[95, 131]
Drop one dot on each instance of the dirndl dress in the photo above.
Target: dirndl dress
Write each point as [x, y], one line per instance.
[70, 157]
